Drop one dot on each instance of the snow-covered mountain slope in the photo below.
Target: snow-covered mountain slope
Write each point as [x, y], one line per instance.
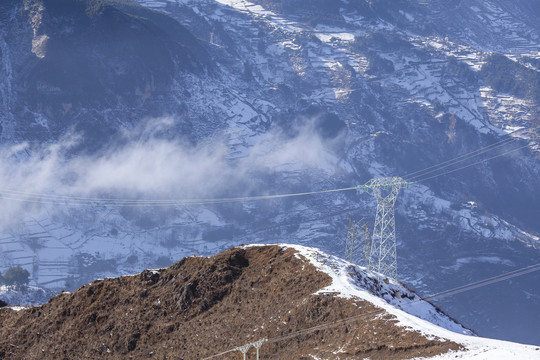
[353, 282]
[265, 97]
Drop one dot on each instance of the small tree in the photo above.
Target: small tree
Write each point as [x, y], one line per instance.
[16, 276]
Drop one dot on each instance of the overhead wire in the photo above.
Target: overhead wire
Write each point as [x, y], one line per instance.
[457, 159]
[11, 195]
[485, 282]
[220, 354]
[473, 164]
[508, 140]
[464, 288]
[419, 176]
[32, 197]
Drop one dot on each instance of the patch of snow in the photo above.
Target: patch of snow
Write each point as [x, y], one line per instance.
[480, 259]
[407, 15]
[329, 37]
[290, 45]
[209, 217]
[24, 295]
[275, 49]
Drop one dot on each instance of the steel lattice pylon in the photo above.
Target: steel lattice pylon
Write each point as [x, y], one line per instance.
[366, 245]
[245, 348]
[350, 244]
[383, 258]
[357, 252]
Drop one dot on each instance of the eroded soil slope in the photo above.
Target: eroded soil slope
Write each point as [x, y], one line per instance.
[202, 306]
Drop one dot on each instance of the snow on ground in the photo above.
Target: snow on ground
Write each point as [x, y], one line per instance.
[352, 281]
[423, 80]
[479, 259]
[25, 295]
[509, 113]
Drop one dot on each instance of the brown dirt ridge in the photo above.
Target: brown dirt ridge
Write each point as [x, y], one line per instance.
[200, 306]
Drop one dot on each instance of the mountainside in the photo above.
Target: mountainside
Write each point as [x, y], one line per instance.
[106, 103]
[92, 66]
[199, 307]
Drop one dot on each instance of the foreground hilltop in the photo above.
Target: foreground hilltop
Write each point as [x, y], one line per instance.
[201, 306]
[235, 98]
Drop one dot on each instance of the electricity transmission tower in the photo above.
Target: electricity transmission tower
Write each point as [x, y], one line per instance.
[382, 253]
[367, 244]
[350, 245]
[353, 247]
[245, 348]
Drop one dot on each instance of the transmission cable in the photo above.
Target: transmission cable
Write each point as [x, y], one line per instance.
[21, 196]
[51, 199]
[74, 201]
[457, 160]
[463, 157]
[485, 282]
[473, 164]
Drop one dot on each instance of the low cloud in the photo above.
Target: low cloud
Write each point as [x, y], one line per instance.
[146, 163]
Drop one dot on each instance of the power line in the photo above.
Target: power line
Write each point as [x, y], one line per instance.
[440, 295]
[51, 199]
[457, 160]
[473, 164]
[485, 282]
[67, 200]
[220, 354]
[465, 156]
